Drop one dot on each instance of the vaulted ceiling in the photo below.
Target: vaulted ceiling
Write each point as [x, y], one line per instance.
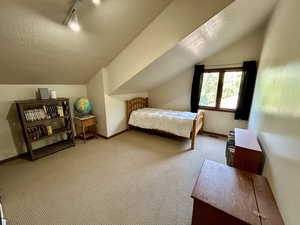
[37, 49]
[233, 23]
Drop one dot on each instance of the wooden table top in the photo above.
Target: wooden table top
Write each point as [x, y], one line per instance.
[227, 189]
[245, 138]
[84, 117]
[244, 195]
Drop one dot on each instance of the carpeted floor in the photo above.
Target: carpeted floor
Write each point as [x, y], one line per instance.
[133, 179]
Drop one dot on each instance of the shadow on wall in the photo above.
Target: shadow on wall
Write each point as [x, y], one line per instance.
[16, 129]
[275, 115]
[281, 159]
[283, 133]
[55, 11]
[174, 94]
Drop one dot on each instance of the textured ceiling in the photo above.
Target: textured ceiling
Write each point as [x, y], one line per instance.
[35, 48]
[230, 25]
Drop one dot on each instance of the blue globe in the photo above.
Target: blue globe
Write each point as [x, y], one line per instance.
[82, 106]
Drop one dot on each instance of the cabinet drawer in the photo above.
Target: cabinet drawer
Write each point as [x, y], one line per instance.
[89, 122]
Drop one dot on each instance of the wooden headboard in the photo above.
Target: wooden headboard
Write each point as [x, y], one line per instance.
[135, 104]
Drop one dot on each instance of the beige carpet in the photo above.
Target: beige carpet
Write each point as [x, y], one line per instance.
[133, 179]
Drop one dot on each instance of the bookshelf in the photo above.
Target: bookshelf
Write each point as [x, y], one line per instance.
[243, 151]
[47, 126]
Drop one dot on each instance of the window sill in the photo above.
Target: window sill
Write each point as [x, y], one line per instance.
[217, 109]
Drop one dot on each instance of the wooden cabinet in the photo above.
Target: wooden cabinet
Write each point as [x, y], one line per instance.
[244, 152]
[224, 195]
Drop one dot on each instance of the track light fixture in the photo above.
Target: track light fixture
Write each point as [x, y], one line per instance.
[72, 17]
[73, 22]
[97, 2]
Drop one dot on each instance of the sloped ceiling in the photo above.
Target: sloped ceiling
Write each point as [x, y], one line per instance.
[176, 22]
[35, 48]
[230, 25]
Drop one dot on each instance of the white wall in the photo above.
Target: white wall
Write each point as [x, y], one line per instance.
[11, 137]
[109, 109]
[95, 92]
[248, 48]
[276, 109]
[178, 20]
[116, 111]
[175, 94]
[219, 32]
[116, 115]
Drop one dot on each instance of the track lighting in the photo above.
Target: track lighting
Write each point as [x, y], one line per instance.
[97, 2]
[72, 17]
[73, 21]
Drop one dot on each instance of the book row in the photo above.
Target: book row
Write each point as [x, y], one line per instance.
[37, 132]
[46, 112]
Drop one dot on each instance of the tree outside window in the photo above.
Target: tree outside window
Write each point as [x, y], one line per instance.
[220, 89]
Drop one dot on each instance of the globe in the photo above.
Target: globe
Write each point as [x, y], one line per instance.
[82, 106]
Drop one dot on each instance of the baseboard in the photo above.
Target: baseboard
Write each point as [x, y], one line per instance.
[25, 154]
[13, 158]
[114, 135]
[102, 136]
[214, 134]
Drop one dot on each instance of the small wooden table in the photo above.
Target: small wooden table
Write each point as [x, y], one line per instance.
[85, 123]
[225, 195]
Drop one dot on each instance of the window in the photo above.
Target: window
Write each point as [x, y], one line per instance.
[209, 89]
[220, 89]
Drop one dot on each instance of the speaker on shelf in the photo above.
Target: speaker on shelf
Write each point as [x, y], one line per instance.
[43, 93]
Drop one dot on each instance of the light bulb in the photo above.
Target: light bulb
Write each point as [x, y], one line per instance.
[73, 22]
[96, 2]
[74, 26]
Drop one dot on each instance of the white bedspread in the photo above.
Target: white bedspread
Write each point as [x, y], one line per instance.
[175, 122]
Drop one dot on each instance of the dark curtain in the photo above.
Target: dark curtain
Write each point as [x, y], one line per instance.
[196, 87]
[246, 90]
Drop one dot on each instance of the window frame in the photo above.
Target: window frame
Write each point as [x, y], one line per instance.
[221, 72]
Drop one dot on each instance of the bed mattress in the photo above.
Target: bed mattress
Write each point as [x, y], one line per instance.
[175, 122]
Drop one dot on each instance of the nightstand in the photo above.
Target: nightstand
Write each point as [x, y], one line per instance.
[87, 125]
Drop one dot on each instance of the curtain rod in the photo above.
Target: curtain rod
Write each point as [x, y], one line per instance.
[224, 65]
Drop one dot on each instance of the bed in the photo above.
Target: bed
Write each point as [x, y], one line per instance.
[182, 124]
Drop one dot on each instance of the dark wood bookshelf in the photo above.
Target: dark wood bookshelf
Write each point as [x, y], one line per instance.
[50, 149]
[34, 123]
[55, 132]
[43, 119]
